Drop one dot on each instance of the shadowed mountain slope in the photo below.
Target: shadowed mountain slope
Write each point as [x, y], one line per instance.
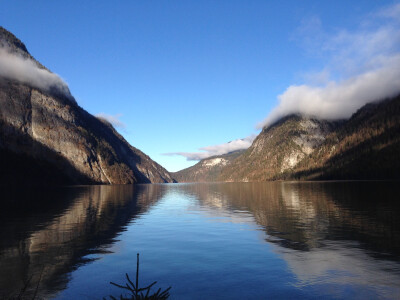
[367, 146]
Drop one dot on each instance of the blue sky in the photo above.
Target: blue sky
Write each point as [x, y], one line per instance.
[183, 75]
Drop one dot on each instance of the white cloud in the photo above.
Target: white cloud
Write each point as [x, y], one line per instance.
[220, 149]
[365, 63]
[338, 100]
[15, 67]
[113, 119]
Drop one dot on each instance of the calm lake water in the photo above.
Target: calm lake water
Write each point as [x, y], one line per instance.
[286, 240]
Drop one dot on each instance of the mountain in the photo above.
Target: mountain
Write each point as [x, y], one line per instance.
[366, 146]
[207, 169]
[47, 138]
[278, 149]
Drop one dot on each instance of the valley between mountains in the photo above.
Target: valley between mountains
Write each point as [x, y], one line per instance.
[47, 138]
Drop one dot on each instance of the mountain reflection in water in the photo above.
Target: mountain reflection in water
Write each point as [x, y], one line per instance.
[284, 239]
[48, 233]
[328, 232]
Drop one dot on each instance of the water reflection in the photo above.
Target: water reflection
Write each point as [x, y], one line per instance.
[336, 239]
[303, 215]
[47, 234]
[334, 234]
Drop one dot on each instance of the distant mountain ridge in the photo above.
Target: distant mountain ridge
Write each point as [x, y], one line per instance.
[207, 169]
[367, 146]
[45, 137]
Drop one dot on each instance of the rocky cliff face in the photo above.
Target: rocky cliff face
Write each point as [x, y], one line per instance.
[46, 137]
[278, 149]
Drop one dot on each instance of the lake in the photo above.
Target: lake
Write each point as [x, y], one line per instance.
[291, 240]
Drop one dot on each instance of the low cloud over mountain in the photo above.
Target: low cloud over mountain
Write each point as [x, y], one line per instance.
[220, 149]
[25, 70]
[113, 119]
[363, 66]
